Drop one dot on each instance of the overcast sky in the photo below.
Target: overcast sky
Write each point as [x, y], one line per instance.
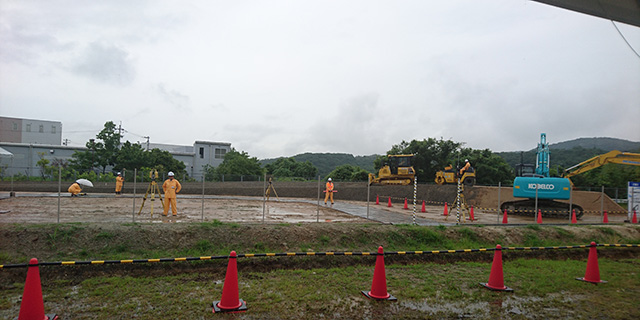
[278, 78]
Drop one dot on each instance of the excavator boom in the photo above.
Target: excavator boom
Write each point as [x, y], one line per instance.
[614, 156]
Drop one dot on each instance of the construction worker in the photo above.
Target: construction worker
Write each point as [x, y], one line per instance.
[119, 183]
[75, 189]
[171, 187]
[466, 167]
[328, 191]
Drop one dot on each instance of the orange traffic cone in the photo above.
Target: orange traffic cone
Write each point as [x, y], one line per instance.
[496, 278]
[635, 218]
[379, 284]
[539, 216]
[230, 301]
[405, 204]
[446, 211]
[32, 305]
[593, 271]
[573, 217]
[471, 217]
[424, 209]
[377, 200]
[605, 219]
[504, 217]
[389, 205]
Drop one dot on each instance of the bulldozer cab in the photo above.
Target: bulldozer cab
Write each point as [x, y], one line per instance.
[399, 163]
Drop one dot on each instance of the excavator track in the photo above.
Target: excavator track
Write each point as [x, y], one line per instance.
[549, 208]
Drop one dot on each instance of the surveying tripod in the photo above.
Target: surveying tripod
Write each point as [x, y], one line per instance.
[267, 192]
[152, 190]
[461, 203]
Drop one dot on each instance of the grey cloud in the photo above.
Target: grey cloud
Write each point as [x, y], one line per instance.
[20, 44]
[105, 63]
[355, 127]
[175, 98]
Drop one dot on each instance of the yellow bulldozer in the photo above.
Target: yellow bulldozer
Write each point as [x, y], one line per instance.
[450, 176]
[397, 170]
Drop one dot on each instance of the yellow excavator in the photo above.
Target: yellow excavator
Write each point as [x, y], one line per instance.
[397, 170]
[450, 175]
[614, 156]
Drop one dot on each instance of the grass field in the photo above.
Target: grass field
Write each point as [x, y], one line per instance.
[321, 287]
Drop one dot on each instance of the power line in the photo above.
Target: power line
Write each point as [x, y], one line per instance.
[625, 39]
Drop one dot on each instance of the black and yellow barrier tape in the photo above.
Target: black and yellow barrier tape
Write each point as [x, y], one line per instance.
[288, 254]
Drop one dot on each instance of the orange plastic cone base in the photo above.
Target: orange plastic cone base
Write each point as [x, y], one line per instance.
[230, 301]
[446, 211]
[539, 216]
[424, 209]
[504, 217]
[405, 204]
[389, 205]
[635, 217]
[605, 219]
[379, 284]
[32, 305]
[377, 200]
[593, 271]
[496, 278]
[573, 217]
[471, 217]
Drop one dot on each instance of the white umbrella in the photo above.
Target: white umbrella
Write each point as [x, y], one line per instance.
[84, 182]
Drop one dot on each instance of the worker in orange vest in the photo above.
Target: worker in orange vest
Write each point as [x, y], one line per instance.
[328, 192]
[466, 167]
[119, 183]
[75, 189]
[171, 187]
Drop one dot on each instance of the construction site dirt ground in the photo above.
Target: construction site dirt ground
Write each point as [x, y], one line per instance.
[48, 208]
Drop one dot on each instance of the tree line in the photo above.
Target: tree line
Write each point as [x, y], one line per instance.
[430, 155]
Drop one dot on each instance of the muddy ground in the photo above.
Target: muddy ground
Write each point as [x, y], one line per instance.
[38, 202]
[107, 208]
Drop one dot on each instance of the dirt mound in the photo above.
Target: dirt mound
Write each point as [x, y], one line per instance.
[491, 197]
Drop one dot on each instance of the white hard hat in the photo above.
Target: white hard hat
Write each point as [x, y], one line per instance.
[119, 173]
[329, 179]
[466, 160]
[170, 174]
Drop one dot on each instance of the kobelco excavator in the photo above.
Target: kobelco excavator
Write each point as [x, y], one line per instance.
[397, 170]
[541, 190]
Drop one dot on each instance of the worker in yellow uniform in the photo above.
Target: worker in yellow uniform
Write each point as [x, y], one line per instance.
[119, 183]
[466, 167]
[328, 191]
[171, 187]
[75, 189]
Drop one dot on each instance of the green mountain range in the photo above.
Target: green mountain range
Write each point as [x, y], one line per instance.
[326, 162]
[572, 152]
[564, 154]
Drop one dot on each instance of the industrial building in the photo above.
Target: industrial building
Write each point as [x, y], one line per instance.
[23, 142]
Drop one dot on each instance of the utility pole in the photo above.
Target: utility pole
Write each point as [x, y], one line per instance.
[120, 135]
[147, 137]
[120, 129]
